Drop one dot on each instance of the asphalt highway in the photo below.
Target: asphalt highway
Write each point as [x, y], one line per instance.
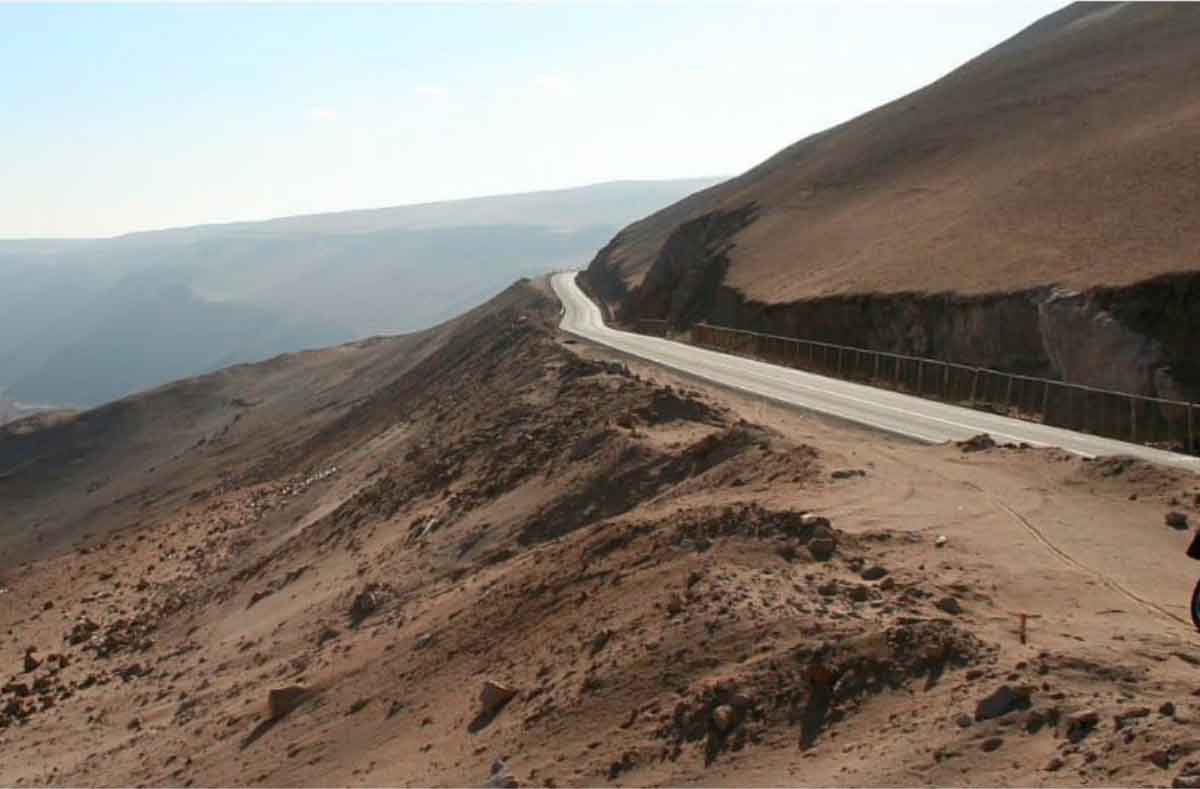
[893, 412]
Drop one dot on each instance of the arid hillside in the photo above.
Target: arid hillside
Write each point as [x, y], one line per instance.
[1038, 209]
[493, 556]
[64, 474]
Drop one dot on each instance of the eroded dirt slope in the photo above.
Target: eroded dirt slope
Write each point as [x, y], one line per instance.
[663, 585]
[64, 475]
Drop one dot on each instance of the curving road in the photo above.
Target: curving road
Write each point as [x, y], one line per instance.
[900, 414]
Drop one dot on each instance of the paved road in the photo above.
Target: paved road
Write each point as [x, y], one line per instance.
[924, 420]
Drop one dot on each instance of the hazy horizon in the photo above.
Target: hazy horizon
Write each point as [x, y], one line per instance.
[363, 209]
[84, 322]
[134, 118]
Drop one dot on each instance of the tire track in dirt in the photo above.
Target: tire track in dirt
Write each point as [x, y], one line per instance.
[1071, 561]
[1058, 552]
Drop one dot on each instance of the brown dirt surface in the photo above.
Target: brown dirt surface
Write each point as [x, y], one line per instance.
[663, 583]
[1064, 156]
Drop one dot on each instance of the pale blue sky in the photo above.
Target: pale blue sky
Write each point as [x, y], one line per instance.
[121, 118]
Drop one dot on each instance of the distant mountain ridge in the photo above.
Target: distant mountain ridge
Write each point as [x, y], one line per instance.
[84, 321]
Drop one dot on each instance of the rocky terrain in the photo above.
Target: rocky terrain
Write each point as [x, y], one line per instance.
[492, 555]
[1034, 211]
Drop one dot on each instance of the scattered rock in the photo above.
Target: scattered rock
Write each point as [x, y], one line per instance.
[991, 744]
[822, 548]
[281, 701]
[1121, 718]
[494, 696]
[674, 603]
[500, 777]
[963, 720]
[600, 641]
[1191, 781]
[724, 718]
[859, 593]
[1177, 520]
[1167, 708]
[1160, 758]
[950, 605]
[977, 443]
[1081, 724]
[848, 473]
[1002, 700]
[941, 541]
[18, 689]
[1055, 764]
[365, 603]
[81, 632]
[873, 573]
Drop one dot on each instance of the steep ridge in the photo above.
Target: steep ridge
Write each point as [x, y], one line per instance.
[634, 566]
[1035, 210]
[113, 466]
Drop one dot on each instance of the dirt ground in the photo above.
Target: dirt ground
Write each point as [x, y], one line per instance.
[662, 582]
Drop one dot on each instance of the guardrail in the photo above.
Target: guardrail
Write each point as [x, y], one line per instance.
[653, 326]
[1166, 424]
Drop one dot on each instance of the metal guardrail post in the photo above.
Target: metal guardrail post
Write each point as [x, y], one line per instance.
[1132, 419]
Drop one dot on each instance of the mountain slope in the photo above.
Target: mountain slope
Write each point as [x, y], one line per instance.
[668, 586]
[1063, 158]
[75, 316]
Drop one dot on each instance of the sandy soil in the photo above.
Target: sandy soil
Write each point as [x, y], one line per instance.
[667, 584]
